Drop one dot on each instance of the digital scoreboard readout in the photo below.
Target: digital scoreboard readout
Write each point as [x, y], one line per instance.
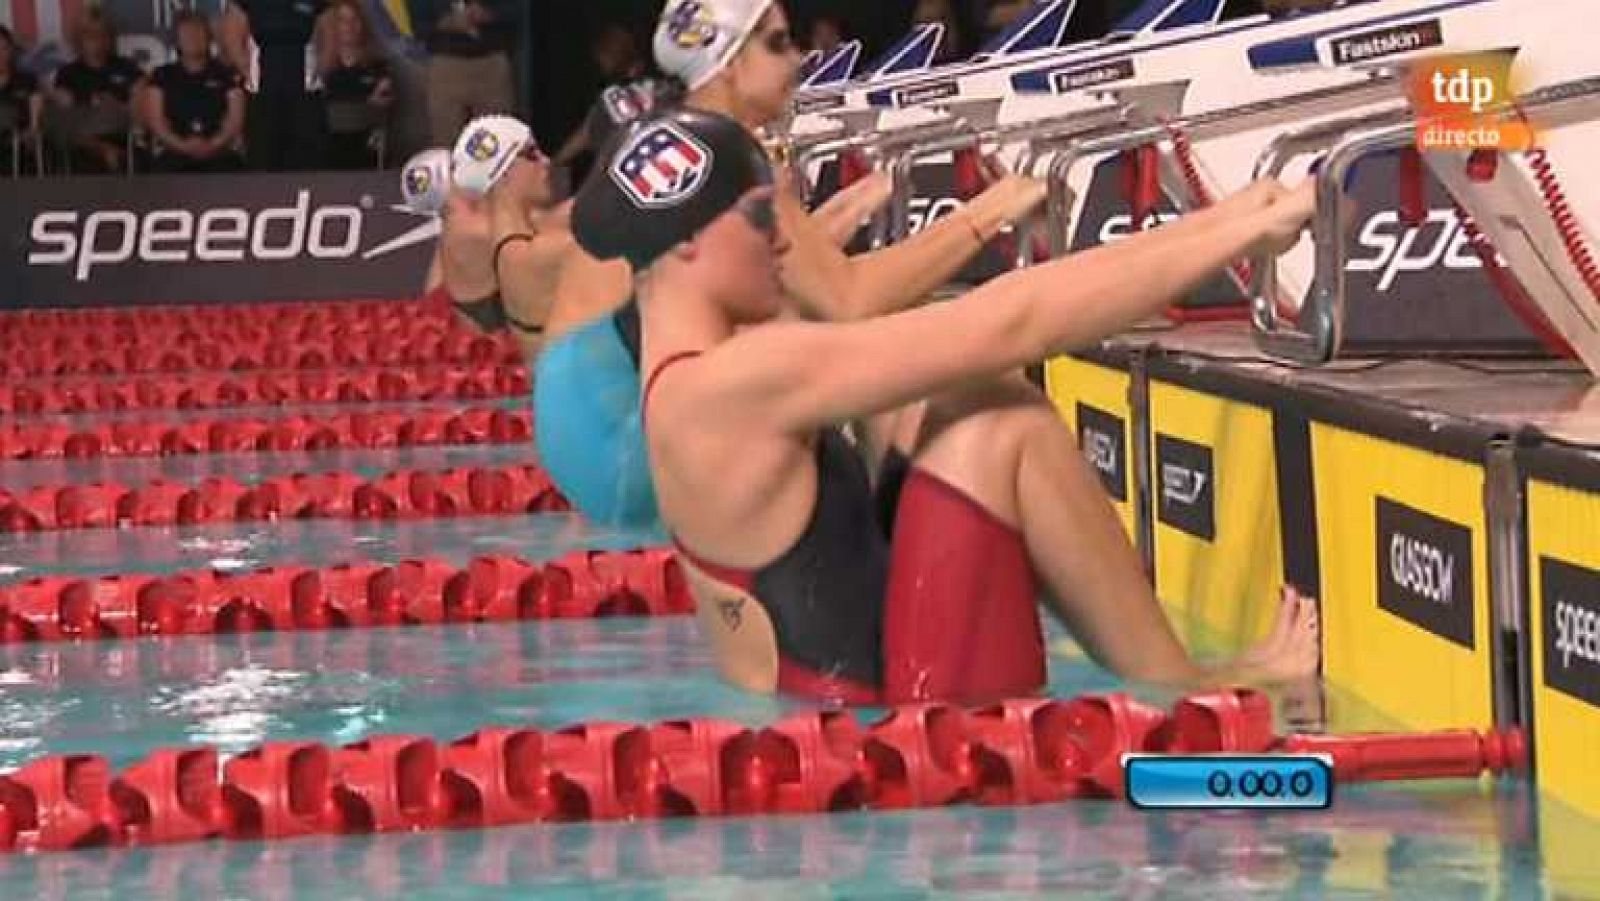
[1229, 781]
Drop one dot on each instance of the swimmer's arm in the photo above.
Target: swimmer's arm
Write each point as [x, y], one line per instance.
[465, 247]
[843, 214]
[799, 376]
[435, 276]
[833, 286]
[587, 286]
[524, 273]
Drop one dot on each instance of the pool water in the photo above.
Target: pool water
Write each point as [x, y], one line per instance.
[122, 699]
[1450, 839]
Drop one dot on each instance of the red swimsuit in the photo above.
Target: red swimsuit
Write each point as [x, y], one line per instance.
[946, 612]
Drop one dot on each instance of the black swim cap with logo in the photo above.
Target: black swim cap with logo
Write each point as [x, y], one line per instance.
[667, 179]
[620, 106]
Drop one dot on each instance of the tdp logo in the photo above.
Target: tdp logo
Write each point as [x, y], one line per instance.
[691, 26]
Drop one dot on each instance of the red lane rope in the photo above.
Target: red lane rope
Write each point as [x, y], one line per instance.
[491, 588]
[211, 391]
[37, 360]
[402, 494]
[1012, 753]
[97, 339]
[51, 321]
[360, 429]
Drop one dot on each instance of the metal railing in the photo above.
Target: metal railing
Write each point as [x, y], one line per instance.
[1317, 333]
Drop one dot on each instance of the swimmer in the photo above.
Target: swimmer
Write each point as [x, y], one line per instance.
[810, 579]
[459, 268]
[585, 394]
[738, 58]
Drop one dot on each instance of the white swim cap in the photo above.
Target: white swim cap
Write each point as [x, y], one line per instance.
[425, 181]
[485, 150]
[695, 39]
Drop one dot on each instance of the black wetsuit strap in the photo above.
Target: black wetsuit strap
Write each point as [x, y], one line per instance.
[487, 313]
[519, 325]
[629, 329]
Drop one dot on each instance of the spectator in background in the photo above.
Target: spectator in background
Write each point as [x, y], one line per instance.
[469, 69]
[94, 95]
[999, 15]
[356, 86]
[615, 52]
[271, 43]
[826, 34]
[196, 105]
[955, 43]
[21, 106]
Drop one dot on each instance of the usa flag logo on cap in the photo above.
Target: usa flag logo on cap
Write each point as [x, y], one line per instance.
[662, 165]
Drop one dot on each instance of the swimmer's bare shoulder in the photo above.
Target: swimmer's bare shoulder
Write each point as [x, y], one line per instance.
[586, 288]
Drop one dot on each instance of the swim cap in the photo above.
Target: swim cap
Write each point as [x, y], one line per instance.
[668, 178]
[425, 181]
[695, 39]
[622, 105]
[486, 149]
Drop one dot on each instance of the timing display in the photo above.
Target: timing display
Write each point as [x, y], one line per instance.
[1229, 781]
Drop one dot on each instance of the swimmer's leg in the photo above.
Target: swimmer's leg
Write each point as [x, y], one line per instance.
[1005, 448]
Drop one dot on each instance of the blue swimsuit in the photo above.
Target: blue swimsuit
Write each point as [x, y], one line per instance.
[586, 421]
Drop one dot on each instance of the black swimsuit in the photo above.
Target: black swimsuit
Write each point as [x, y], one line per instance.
[825, 595]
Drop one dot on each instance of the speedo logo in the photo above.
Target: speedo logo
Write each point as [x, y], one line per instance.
[1122, 225]
[1100, 449]
[1187, 500]
[1577, 633]
[1100, 437]
[1394, 248]
[1422, 569]
[1369, 45]
[922, 212]
[1181, 484]
[111, 237]
[1569, 603]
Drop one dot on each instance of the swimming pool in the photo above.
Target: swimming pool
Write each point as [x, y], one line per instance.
[120, 699]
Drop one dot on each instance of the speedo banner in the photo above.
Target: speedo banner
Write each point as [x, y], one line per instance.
[1413, 279]
[204, 239]
[1217, 537]
[1093, 398]
[1563, 626]
[1107, 215]
[1402, 545]
[935, 194]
